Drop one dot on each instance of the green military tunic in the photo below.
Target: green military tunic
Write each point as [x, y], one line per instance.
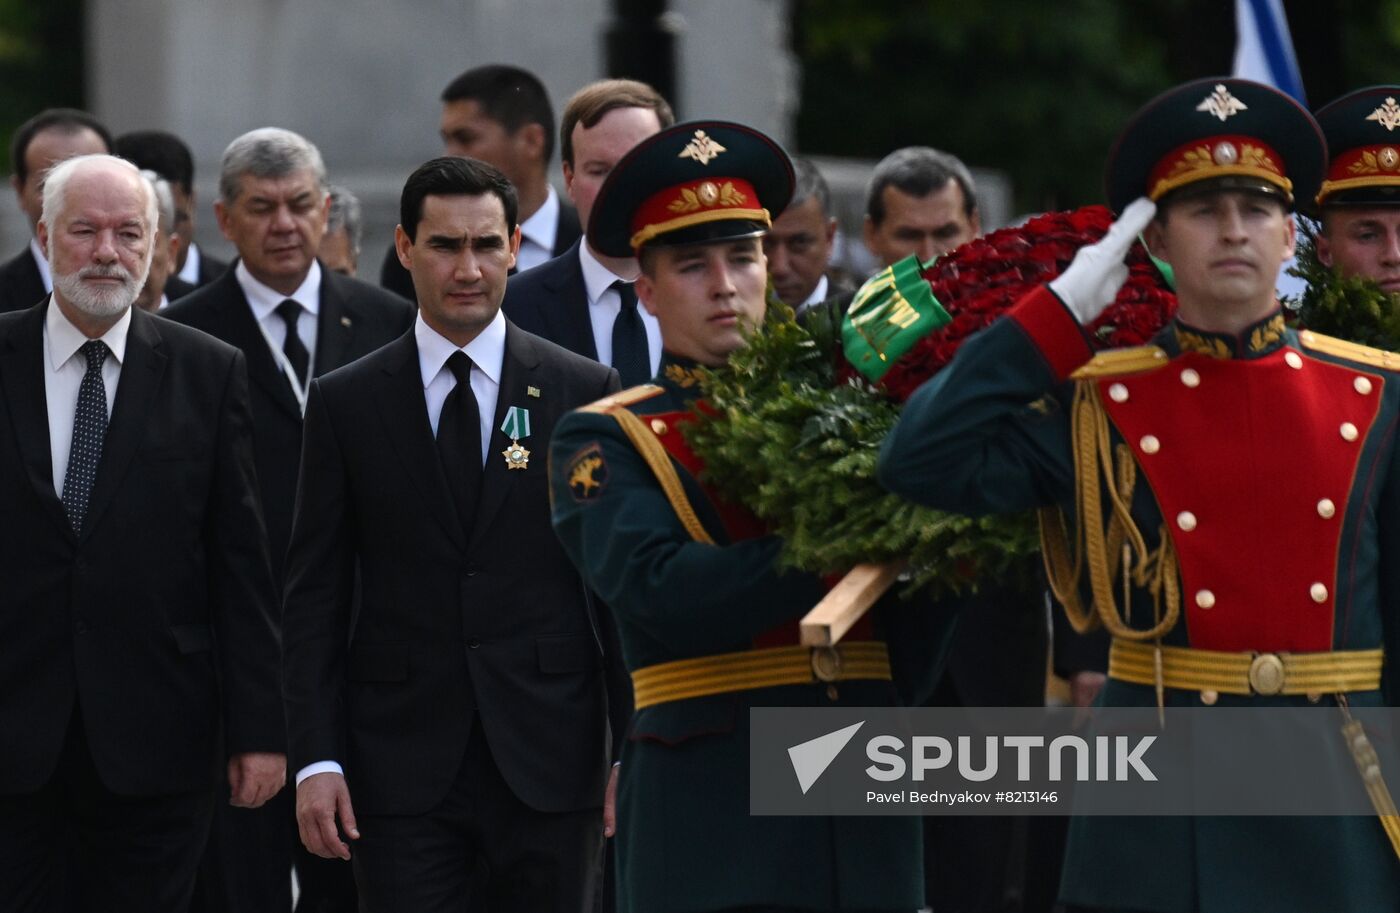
[1268, 463]
[686, 840]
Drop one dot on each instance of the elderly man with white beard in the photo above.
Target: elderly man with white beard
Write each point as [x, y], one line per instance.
[141, 654]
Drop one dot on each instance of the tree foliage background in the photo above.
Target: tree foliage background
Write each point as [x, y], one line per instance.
[41, 61]
[1037, 89]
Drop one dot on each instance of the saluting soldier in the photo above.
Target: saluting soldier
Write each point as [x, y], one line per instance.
[709, 626]
[1251, 468]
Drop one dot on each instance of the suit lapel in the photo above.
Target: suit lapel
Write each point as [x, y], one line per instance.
[23, 379]
[335, 325]
[241, 330]
[517, 373]
[568, 230]
[404, 410]
[142, 369]
[566, 311]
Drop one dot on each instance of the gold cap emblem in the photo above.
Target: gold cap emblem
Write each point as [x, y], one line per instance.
[1387, 115]
[1388, 158]
[709, 193]
[1221, 103]
[1225, 153]
[701, 148]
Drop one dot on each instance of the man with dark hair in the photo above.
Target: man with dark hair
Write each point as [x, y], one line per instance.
[140, 660]
[464, 709]
[919, 201]
[501, 115]
[583, 300]
[1266, 500]
[293, 320]
[168, 156]
[39, 143]
[799, 246]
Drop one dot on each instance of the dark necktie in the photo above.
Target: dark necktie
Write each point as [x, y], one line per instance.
[290, 312]
[629, 339]
[89, 430]
[459, 440]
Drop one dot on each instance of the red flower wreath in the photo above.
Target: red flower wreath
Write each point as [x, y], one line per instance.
[980, 281]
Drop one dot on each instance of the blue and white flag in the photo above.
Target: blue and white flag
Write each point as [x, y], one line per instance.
[1264, 53]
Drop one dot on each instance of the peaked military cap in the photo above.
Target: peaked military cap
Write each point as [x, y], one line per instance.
[1363, 137]
[1221, 133]
[694, 182]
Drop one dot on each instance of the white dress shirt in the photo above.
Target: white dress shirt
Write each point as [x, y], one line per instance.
[818, 295]
[264, 301]
[487, 352]
[64, 368]
[538, 233]
[190, 271]
[604, 304]
[43, 263]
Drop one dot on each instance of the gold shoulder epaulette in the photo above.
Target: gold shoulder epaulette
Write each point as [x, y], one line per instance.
[623, 398]
[1122, 361]
[1352, 351]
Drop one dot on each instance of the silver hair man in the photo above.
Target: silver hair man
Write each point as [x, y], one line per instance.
[73, 286]
[268, 152]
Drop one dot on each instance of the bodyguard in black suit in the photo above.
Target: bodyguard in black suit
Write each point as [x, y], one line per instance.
[463, 707]
[273, 208]
[581, 299]
[140, 654]
[41, 142]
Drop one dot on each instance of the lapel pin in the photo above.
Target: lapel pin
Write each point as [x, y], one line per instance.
[533, 391]
[345, 321]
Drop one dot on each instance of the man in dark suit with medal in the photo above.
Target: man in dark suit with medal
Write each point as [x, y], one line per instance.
[456, 732]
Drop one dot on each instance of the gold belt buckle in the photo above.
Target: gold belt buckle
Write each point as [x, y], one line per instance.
[826, 663]
[1266, 674]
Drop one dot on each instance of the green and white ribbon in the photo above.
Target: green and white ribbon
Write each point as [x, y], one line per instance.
[517, 423]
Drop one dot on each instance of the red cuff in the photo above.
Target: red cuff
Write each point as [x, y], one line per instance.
[1053, 330]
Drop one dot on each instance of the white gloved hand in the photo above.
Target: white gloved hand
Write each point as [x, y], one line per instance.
[1098, 271]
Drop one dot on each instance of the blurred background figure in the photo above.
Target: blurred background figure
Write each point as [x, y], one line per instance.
[340, 245]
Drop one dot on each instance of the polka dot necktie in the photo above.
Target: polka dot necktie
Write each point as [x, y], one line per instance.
[89, 430]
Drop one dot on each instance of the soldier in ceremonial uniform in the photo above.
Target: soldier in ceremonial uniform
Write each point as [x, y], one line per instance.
[1359, 200]
[707, 621]
[1254, 477]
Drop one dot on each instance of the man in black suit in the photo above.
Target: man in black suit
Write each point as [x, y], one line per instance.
[141, 657]
[583, 300]
[293, 320]
[501, 115]
[168, 156]
[464, 708]
[41, 142]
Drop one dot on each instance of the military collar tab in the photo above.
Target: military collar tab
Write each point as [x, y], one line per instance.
[680, 374]
[1257, 340]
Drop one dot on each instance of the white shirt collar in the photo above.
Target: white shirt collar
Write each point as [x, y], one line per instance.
[818, 295]
[542, 227]
[190, 271]
[487, 351]
[42, 263]
[597, 278]
[64, 339]
[264, 300]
